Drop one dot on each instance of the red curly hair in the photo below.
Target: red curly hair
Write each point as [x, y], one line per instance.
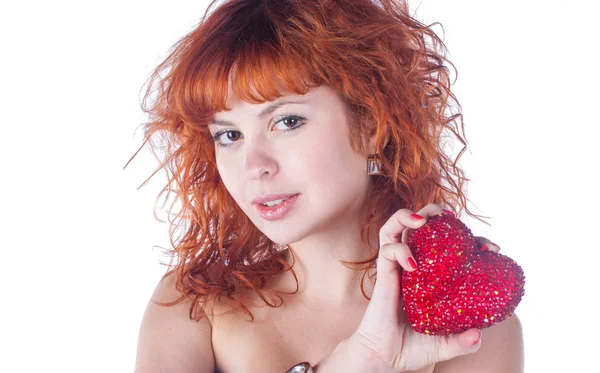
[390, 71]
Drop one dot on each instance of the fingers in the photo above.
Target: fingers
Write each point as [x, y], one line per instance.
[431, 209]
[387, 286]
[427, 211]
[484, 244]
[441, 348]
[386, 299]
[392, 254]
[469, 341]
[393, 229]
[459, 344]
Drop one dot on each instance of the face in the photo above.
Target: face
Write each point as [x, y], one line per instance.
[300, 147]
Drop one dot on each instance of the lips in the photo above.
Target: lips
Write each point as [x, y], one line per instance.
[274, 202]
[277, 211]
[271, 197]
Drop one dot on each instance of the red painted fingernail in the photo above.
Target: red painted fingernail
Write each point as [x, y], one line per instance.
[478, 339]
[412, 263]
[416, 217]
[448, 212]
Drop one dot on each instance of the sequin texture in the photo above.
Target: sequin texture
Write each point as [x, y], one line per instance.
[457, 286]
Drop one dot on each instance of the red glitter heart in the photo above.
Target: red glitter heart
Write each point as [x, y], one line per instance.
[457, 286]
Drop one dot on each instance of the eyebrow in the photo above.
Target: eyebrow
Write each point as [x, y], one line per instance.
[266, 111]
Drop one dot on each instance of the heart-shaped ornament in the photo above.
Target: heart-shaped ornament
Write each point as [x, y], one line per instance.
[457, 286]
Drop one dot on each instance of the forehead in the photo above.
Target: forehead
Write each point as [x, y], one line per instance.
[265, 109]
[317, 96]
[249, 90]
[234, 101]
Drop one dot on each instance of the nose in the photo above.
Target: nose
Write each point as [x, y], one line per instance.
[259, 164]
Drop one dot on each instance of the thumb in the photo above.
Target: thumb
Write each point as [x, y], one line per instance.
[461, 344]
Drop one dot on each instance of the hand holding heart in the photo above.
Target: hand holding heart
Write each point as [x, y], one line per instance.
[418, 317]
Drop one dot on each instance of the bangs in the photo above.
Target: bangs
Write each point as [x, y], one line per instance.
[256, 67]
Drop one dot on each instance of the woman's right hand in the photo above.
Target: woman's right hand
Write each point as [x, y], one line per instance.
[384, 333]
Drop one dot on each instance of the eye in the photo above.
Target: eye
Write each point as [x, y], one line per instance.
[290, 123]
[228, 135]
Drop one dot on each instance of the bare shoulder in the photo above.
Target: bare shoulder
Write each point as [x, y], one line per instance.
[501, 351]
[168, 340]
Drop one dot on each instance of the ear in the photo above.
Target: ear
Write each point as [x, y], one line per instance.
[371, 144]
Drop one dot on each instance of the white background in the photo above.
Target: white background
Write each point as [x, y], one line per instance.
[77, 238]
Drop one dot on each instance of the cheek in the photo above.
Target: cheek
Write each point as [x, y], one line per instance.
[332, 172]
[231, 180]
[312, 163]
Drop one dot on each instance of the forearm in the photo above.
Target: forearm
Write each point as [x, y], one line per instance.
[349, 357]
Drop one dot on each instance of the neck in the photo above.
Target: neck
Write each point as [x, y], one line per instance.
[322, 280]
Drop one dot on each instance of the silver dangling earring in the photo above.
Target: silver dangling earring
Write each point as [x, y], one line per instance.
[374, 165]
[280, 248]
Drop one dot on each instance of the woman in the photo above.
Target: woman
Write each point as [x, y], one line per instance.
[333, 112]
